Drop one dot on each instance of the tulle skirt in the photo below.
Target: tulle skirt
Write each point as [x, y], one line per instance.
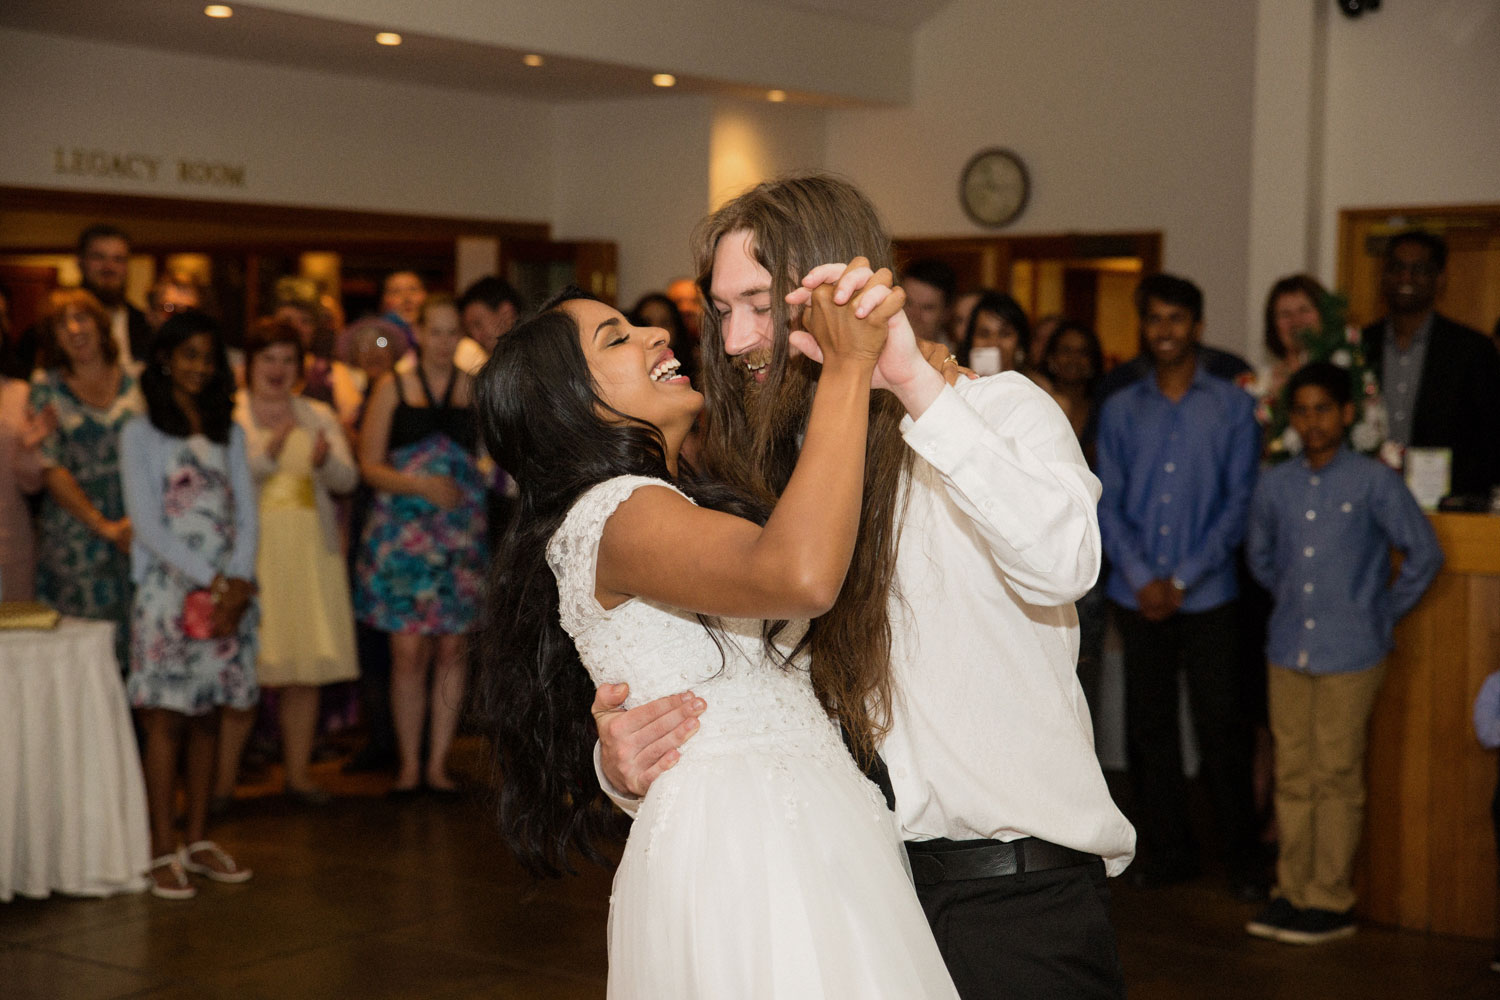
[759, 875]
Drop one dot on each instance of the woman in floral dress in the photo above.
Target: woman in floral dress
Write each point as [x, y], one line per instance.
[193, 630]
[421, 561]
[83, 565]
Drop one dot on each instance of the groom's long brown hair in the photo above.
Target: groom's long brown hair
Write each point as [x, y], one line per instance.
[753, 431]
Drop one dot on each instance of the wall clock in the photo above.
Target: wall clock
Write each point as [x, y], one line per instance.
[993, 187]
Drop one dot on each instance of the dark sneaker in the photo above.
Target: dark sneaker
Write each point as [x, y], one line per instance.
[1270, 922]
[1314, 926]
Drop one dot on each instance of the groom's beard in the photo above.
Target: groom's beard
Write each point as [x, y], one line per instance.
[776, 410]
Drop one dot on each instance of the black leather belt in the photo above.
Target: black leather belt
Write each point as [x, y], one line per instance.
[934, 861]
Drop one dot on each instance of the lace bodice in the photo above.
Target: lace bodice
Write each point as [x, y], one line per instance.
[753, 703]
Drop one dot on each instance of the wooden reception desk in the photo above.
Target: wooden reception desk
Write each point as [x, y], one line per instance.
[1428, 861]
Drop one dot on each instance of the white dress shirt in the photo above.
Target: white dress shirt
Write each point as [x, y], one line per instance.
[991, 736]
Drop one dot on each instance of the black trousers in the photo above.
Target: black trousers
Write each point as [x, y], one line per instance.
[1202, 647]
[1034, 936]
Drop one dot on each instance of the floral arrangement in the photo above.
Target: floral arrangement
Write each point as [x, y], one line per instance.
[1334, 340]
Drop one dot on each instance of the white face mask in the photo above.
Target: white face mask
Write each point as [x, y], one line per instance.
[985, 360]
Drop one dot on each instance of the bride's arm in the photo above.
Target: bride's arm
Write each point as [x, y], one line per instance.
[658, 545]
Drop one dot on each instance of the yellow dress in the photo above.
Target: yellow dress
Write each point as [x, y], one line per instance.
[307, 621]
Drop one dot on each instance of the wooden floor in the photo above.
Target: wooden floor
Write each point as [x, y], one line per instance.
[374, 899]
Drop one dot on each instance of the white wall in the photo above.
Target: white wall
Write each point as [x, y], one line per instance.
[1413, 110]
[1129, 116]
[303, 138]
[754, 141]
[636, 172]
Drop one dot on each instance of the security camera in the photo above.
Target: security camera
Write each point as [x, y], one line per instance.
[1354, 8]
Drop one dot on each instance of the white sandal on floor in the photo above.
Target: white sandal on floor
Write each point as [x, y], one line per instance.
[232, 872]
[181, 887]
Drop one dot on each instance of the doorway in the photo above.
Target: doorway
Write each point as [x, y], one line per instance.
[1088, 278]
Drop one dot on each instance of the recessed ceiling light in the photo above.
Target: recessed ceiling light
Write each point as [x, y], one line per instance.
[664, 80]
[775, 96]
[388, 38]
[219, 10]
[532, 59]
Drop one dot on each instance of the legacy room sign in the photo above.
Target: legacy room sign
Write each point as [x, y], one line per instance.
[105, 164]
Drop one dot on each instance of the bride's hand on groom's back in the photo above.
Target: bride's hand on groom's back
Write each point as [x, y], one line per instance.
[637, 745]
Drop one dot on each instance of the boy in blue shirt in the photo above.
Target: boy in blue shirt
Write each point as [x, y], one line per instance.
[1321, 530]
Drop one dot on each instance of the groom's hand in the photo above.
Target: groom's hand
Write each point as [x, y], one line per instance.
[637, 745]
[904, 366]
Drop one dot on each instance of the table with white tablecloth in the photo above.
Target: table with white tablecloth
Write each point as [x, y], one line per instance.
[72, 800]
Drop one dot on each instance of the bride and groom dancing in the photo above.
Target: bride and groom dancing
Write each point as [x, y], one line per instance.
[877, 549]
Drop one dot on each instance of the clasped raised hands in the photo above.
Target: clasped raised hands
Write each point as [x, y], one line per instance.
[847, 328]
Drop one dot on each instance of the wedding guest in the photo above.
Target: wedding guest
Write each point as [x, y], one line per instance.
[324, 377]
[401, 297]
[20, 474]
[1322, 527]
[489, 308]
[193, 628]
[103, 261]
[173, 292]
[1291, 309]
[422, 555]
[1177, 459]
[1440, 379]
[298, 457]
[84, 531]
[1072, 364]
[998, 335]
[930, 287]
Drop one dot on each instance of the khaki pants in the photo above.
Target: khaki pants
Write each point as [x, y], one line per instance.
[1321, 726]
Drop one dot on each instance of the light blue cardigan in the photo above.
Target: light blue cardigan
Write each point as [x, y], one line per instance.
[144, 454]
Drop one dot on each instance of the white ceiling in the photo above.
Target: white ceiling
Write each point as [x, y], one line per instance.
[275, 35]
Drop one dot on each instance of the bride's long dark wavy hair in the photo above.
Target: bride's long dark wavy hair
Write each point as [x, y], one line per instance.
[543, 422]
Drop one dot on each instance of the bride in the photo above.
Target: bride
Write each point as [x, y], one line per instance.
[763, 864]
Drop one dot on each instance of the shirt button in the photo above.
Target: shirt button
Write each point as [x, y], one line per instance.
[1161, 560]
[1171, 466]
[1308, 624]
[1315, 480]
[1312, 515]
[1165, 530]
[1302, 658]
[1308, 552]
[1347, 507]
[1307, 588]
[1166, 498]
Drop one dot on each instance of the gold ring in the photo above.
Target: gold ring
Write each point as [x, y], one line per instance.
[951, 359]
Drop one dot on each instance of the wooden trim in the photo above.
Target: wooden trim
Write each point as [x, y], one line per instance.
[1471, 542]
[351, 225]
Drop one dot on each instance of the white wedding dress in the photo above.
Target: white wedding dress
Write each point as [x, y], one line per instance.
[763, 864]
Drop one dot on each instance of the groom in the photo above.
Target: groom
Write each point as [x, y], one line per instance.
[978, 532]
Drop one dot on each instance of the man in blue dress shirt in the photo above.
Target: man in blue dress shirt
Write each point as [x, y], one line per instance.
[1321, 530]
[1177, 457]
